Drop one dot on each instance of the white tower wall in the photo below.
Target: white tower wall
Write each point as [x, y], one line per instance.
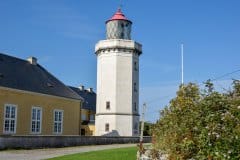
[117, 80]
[117, 83]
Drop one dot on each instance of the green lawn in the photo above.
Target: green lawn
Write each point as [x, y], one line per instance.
[110, 154]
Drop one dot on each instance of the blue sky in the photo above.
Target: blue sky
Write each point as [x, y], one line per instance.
[62, 35]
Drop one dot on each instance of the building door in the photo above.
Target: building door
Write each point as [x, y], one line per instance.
[83, 132]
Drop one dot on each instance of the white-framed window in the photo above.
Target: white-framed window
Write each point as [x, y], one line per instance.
[36, 123]
[92, 117]
[10, 119]
[83, 116]
[58, 121]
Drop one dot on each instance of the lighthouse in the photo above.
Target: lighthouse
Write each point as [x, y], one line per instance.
[117, 111]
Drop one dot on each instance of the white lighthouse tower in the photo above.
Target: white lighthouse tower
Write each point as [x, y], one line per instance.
[117, 112]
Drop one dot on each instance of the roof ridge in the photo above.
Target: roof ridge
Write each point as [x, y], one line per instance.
[41, 67]
[10, 56]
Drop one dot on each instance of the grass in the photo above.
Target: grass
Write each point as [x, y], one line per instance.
[110, 154]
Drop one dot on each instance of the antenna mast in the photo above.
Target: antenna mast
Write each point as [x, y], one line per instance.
[120, 4]
[142, 128]
[182, 61]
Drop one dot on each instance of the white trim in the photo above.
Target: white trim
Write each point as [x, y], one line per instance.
[40, 129]
[38, 94]
[15, 119]
[62, 111]
[118, 43]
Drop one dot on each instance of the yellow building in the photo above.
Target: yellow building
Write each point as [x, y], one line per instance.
[88, 110]
[34, 102]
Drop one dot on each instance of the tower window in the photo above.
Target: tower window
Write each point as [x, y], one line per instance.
[136, 126]
[122, 35]
[108, 105]
[135, 66]
[135, 106]
[107, 127]
[135, 87]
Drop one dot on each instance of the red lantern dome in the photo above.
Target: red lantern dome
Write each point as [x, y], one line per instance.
[118, 16]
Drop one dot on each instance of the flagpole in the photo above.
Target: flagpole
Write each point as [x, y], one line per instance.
[182, 62]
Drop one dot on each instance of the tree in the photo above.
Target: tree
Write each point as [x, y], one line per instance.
[147, 131]
[200, 125]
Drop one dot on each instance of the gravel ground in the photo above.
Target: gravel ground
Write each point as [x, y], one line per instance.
[37, 154]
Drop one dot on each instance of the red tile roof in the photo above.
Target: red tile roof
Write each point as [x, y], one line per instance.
[118, 16]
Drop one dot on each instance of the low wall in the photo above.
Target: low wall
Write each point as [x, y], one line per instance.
[30, 142]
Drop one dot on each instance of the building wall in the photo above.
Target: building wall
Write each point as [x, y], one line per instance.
[25, 101]
[87, 114]
[118, 83]
[119, 125]
[31, 142]
[89, 128]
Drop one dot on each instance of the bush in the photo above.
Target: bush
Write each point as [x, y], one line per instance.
[200, 124]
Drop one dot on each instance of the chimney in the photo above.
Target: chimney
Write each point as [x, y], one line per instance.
[90, 90]
[32, 60]
[81, 87]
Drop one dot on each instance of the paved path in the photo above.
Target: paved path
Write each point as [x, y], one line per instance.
[38, 154]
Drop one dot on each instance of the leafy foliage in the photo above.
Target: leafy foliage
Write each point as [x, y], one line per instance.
[200, 124]
[147, 131]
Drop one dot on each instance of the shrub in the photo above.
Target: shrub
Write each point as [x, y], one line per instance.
[200, 124]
